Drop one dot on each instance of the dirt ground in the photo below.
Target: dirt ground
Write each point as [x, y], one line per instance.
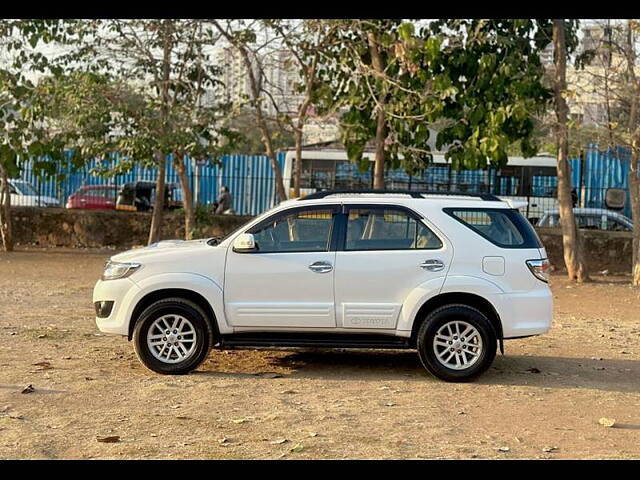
[543, 399]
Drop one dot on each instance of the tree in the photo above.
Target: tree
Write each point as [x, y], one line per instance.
[576, 267]
[478, 83]
[610, 81]
[356, 74]
[162, 95]
[246, 43]
[304, 43]
[250, 140]
[24, 131]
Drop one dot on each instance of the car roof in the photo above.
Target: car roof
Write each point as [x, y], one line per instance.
[588, 211]
[431, 199]
[98, 187]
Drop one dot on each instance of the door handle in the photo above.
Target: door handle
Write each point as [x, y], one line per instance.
[432, 265]
[321, 267]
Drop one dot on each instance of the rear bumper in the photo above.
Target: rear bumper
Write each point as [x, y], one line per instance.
[525, 313]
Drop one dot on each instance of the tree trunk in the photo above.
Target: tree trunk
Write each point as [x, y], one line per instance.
[262, 124]
[5, 212]
[297, 165]
[158, 206]
[302, 118]
[576, 269]
[381, 134]
[634, 194]
[255, 97]
[634, 182]
[189, 211]
[381, 127]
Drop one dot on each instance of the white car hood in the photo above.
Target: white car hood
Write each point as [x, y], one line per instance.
[162, 249]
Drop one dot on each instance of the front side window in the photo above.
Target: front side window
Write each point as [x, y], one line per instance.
[503, 227]
[301, 231]
[387, 229]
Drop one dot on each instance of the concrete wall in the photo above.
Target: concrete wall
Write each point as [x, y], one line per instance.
[603, 250]
[50, 227]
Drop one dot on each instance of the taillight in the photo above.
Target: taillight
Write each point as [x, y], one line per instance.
[540, 269]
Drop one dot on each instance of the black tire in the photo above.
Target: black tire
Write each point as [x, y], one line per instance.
[439, 317]
[204, 337]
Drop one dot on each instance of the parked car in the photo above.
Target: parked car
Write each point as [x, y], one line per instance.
[94, 197]
[140, 196]
[23, 194]
[591, 218]
[449, 276]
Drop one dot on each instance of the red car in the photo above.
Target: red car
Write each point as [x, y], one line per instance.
[94, 197]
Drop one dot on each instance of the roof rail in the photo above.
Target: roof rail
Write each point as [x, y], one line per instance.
[413, 193]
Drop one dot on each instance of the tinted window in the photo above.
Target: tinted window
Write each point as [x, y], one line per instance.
[503, 227]
[549, 221]
[617, 225]
[595, 222]
[387, 229]
[301, 231]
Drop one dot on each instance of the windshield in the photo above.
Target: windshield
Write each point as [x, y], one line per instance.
[25, 188]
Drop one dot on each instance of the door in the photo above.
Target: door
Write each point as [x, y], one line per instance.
[288, 280]
[386, 253]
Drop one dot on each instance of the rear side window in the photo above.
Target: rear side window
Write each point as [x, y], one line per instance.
[387, 229]
[503, 227]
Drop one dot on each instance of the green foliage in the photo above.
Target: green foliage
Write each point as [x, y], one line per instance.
[138, 88]
[480, 81]
[249, 139]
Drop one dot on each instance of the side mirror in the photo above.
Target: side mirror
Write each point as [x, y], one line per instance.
[245, 243]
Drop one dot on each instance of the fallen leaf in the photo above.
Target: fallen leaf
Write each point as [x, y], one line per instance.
[239, 420]
[533, 370]
[110, 439]
[43, 365]
[389, 404]
[503, 449]
[313, 434]
[298, 447]
[28, 389]
[607, 422]
[279, 441]
[288, 392]
[549, 449]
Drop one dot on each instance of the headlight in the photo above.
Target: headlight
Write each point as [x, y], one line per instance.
[540, 269]
[113, 270]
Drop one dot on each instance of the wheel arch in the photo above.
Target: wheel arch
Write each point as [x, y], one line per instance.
[465, 298]
[185, 293]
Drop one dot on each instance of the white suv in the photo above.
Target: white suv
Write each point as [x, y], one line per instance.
[448, 275]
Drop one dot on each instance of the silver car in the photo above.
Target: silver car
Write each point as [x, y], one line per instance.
[591, 218]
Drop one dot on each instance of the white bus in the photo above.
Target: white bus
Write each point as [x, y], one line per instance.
[532, 180]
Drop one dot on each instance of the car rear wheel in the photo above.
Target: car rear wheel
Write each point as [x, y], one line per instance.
[456, 343]
[172, 336]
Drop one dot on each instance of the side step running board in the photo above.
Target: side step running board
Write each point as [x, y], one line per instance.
[276, 340]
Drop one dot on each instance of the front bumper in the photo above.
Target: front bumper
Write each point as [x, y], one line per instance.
[120, 292]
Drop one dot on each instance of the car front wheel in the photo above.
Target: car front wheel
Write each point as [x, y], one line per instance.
[172, 336]
[456, 343]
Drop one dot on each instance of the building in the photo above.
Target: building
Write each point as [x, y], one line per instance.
[277, 72]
